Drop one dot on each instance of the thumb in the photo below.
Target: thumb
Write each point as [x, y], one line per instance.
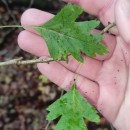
[122, 14]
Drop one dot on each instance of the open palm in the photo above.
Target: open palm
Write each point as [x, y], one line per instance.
[104, 81]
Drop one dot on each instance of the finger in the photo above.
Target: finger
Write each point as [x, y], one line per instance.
[35, 44]
[32, 43]
[35, 17]
[123, 19]
[31, 16]
[89, 69]
[65, 79]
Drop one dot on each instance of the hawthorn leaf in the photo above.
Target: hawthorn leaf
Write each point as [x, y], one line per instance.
[72, 109]
[64, 36]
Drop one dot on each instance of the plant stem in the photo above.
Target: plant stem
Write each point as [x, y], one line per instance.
[107, 28]
[112, 128]
[12, 26]
[20, 61]
[16, 26]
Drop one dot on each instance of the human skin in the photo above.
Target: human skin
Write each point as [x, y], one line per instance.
[105, 80]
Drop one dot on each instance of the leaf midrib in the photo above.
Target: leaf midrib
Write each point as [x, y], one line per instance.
[60, 33]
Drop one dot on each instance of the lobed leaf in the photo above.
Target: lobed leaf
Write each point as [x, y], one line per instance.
[64, 36]
[72, 108]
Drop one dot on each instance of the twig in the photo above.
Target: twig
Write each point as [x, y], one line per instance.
[112, 128]
[31, 3]
[48, 124]
[108, 27]
[15, 26]
[20, 61]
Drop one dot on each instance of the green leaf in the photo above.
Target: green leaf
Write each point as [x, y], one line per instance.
[72, 109]
[64, 36]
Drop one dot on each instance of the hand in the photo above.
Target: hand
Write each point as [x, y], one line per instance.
[104, 81]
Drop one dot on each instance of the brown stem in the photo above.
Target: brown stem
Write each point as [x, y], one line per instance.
[108, 27]
[20, 61]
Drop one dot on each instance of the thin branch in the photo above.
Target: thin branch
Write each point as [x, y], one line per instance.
[108, 27]
[111, 126]
[31, 3]
[20, 61]
[16, 26]
[48, 124]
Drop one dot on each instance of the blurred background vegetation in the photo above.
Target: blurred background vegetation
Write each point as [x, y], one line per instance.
[24, 93]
